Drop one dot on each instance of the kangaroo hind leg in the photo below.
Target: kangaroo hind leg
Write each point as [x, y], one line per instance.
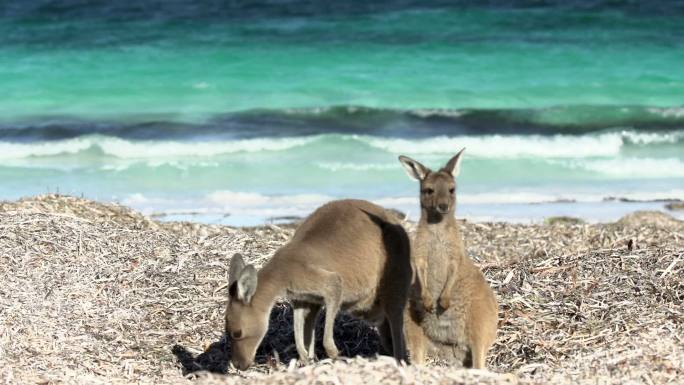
[396, 323]
[478, 355]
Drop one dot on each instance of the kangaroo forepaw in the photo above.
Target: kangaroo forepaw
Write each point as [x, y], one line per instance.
[445, 302]
[428, 302]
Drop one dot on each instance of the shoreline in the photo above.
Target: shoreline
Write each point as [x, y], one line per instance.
[100, 293]
[608, 210]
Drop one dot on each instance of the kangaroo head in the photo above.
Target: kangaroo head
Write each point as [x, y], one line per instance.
[246, 324]
[437, 188]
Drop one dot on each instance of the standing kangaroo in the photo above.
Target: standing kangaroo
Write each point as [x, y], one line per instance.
[348, 255]
[465, 322]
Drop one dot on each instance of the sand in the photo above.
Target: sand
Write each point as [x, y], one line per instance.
[97, 293]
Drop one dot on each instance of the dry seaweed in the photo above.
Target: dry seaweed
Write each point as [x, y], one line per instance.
[98, 293]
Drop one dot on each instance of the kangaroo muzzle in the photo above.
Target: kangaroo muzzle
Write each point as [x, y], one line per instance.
[443, 208]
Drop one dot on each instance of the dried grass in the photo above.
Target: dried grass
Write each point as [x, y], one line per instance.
[95, 293]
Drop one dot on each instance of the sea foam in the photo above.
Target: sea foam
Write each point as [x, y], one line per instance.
[129, 149]
[501, 146]
[633, 167]
[487, 146]
[240, 208]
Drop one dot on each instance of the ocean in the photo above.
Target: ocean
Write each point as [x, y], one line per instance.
[243, 113]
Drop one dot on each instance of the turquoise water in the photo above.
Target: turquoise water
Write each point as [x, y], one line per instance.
[170, 67]
[261, 110]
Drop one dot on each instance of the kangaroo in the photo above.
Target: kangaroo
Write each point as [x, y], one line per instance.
[465, 321]
[349, 255]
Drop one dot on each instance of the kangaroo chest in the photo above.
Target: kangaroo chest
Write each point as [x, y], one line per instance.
[436, 250]
[441, 252]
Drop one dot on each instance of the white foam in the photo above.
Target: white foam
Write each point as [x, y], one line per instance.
[632, 167]
[440, 112]
[671, 112]
[647, 138]
[347, 166]
[238, 199]
[23, 150]
[512, 206]
[505, 146]
[159, 149]
[488, 146]
[231, 202]
[524, 197]
[514, 197]
[127, 149]
[235, 203]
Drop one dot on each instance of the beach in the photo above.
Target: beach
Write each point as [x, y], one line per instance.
[99, 293]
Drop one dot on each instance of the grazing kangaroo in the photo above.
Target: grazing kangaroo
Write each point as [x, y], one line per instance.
[348, 255]
[464, 324]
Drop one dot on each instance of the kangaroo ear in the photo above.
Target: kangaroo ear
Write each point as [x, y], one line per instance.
[413, 168]
[237, 264]
[453, 166]
[247, 284]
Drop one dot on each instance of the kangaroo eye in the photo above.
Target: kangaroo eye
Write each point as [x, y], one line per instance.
[428, 191]
[451, 190]
[236, 335]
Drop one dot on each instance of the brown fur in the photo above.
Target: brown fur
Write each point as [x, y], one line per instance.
[453, 312]
[348, 255]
